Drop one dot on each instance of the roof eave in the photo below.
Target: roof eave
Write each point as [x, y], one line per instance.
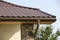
[29, 20]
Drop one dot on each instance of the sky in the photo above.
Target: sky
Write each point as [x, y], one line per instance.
[49, 6]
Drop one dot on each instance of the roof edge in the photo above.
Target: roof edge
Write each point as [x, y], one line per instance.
[47, 13]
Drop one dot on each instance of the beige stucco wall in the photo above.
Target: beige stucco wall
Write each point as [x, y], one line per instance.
[10, 32]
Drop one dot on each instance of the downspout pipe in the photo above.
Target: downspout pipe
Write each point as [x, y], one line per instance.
[36, 31]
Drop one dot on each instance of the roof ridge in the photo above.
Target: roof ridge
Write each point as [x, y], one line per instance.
[20, 6]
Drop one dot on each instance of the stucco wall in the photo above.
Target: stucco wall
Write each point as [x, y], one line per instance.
[10, 32]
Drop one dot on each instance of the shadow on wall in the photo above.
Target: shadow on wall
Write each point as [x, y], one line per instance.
[8, 30]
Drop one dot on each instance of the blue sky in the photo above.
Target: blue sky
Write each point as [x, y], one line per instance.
[49, 6]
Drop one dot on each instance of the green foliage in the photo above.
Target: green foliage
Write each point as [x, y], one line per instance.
[46, 34]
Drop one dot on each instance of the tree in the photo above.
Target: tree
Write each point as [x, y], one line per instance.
[47, 34]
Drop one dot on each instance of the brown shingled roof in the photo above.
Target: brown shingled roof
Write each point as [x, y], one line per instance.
[9, 10]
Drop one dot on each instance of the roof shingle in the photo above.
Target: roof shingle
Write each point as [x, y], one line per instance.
[12, 10]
